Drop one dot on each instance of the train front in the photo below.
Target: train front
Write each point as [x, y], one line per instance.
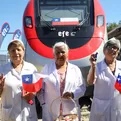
[79, 23]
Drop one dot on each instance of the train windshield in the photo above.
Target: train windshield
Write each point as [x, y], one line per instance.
[64, 12]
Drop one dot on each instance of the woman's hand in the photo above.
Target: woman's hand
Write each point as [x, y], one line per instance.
[28, 96]
[68, 95]
[93, 59]
[2, 80]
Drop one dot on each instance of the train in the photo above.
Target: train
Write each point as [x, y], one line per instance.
[79, 23]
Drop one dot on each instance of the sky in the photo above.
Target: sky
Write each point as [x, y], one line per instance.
[11, 11]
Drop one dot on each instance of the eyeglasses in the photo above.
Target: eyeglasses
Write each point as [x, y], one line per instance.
[110, 48]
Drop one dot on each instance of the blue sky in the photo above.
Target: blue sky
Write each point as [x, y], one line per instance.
[11, 11]
[112, 9]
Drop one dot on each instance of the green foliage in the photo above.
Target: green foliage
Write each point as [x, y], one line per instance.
[111, 26]
[119, 22]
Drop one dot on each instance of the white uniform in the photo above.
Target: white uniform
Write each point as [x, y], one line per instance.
[73, 83]
[14, 107]
[106, 104]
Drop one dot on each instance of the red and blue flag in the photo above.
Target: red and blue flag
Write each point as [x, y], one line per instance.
[118, 83]
[65, 21]
[32, 82]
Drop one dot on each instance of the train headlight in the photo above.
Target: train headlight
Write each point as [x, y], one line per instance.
[100, 20]
[28, 21]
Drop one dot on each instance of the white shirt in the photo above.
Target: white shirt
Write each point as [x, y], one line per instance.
[73, 83]
[105, 106]
[14, 107]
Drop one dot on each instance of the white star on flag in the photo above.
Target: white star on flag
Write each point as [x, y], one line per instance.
[27, 79]
[32, 82]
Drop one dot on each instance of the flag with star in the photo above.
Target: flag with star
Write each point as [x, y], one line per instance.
[32, 82]
[118, 83]
[65, 21]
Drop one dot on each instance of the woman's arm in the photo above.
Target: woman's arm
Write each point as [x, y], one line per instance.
[91, 77]
[92, 72]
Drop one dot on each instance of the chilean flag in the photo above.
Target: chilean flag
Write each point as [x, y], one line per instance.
[118, 83]
[32, 82]
[65, 21]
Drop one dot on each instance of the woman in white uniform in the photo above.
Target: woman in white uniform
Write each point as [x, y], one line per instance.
[65, 80]
[15, 106]
[106, 104]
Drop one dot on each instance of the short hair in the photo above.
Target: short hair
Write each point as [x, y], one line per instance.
[112, 42]
[17, 43]
[59, 44]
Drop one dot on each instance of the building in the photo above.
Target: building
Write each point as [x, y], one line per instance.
[115, 33]
[4, 58]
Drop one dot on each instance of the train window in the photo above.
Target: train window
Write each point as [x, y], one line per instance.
[72, 10]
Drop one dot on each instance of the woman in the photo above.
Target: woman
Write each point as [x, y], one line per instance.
[106, 101]
[15, 106]
[65, 80]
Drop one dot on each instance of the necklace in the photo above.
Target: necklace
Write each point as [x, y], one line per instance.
[62, 75]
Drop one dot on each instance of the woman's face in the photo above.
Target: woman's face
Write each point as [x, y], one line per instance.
[60, 55]
[16, 54]
[111, 52]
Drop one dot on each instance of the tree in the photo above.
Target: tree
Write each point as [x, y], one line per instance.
[111, 26]
[119, 22]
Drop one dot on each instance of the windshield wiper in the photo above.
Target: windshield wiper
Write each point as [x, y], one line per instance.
[86, 18]
[82, 22]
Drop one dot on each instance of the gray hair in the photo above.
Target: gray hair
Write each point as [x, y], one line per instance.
[114, 42]
[59, 44]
